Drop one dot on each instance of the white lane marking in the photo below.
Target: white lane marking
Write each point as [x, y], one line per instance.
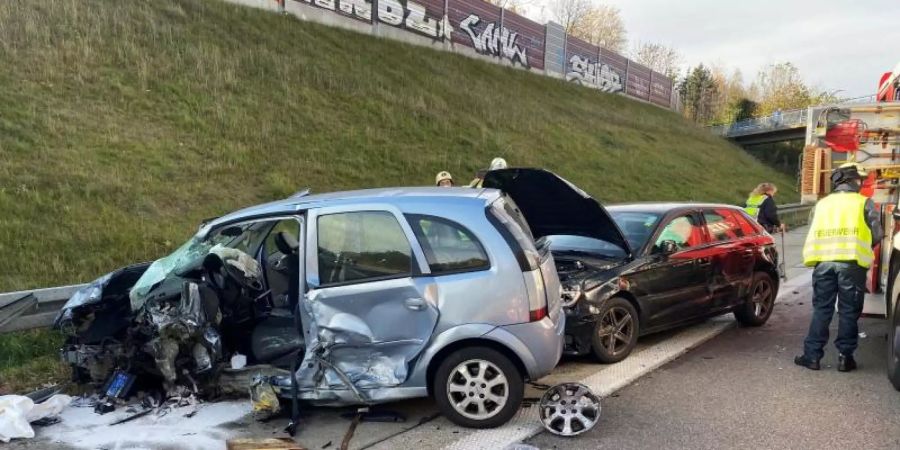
[604, 382]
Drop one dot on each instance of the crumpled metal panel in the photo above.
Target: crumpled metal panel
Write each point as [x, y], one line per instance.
[367, 332]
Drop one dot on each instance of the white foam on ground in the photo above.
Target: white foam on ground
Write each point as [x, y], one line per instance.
[83, 428]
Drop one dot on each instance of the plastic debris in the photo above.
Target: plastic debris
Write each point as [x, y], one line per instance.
[263, 398]
[17, 412]
[238, 361]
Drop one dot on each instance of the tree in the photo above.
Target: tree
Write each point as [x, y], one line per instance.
[733, 99]
[781, 87]
[658, 57]
[570, 13]
[597, 24]
[698, 92]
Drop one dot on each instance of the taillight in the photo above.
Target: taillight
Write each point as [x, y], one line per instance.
[537, 314]
[538, 306]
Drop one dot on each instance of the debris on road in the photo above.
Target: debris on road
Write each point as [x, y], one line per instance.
[263, 444]
[345, 444]
[18, 412]
[569, 409]
[263, 399]
[143, 427]
[132, 417]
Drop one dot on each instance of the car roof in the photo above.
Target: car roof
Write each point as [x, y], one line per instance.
[300, 201]
[665, 207]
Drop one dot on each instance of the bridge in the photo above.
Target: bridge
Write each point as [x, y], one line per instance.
[781, 126]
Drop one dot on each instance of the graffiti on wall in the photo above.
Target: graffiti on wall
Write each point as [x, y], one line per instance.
[595, 75]
[494, 40]
[410, 15]
[508, 36]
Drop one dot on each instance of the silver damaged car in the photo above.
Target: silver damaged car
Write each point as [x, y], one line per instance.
[358, 297]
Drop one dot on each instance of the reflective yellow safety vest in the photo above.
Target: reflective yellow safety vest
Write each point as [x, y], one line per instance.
[839, 231]
[753, 204]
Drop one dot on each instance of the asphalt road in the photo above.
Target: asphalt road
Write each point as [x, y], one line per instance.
[742, 390]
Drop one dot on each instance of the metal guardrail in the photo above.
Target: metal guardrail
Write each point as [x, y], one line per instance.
[794, 214]
[51, 300]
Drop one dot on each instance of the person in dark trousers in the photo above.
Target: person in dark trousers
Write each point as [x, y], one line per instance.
[761, 206]
[844, 229]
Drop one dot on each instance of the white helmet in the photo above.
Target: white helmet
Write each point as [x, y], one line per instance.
[498, 163]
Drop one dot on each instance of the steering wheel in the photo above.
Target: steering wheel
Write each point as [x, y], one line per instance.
[218, 272]
[213, 268]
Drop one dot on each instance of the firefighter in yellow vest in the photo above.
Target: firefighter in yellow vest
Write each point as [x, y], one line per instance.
[844, 229]
[761, 206]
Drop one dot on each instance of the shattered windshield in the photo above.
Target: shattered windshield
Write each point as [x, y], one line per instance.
[245, 237]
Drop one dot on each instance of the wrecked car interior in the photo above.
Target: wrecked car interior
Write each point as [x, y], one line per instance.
[174, 323]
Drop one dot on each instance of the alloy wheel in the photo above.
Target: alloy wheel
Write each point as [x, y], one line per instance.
[616, 330]
[477, 389]
[762, 298]
[569, 409]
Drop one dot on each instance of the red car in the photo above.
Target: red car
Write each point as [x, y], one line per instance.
[682, 262]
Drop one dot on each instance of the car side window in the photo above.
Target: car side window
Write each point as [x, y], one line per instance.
[750, 226]
[722, 225]
[362, 246]
[683, 230]
[449, 247]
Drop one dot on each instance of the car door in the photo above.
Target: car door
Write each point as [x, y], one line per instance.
[674, 286]
[370, 303]
[732, 257]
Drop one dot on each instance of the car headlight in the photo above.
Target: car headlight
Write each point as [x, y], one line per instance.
[570, 295]
[89, 294]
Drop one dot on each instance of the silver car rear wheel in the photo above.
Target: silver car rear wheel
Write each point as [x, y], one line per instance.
[477, 389]
[569, 409]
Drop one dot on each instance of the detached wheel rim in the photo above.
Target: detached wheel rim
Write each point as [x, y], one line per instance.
[477, 389]
[569, 409]
[615, 330]
[762, 298]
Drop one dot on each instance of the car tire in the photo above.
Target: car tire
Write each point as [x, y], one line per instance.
[758, 307]
[615, 331]
[467, 374]
[893, 349]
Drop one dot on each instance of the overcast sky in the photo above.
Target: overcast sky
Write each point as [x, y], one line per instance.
[836, 44]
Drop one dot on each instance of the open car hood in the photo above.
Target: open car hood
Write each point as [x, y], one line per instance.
[552, 205]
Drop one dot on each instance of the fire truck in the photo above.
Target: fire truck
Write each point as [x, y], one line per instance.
[868, 134]
[889, 86]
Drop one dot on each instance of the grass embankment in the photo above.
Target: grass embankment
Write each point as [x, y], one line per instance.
[123, 124]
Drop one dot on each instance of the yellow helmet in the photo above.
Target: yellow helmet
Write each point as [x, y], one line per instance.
[441, 176]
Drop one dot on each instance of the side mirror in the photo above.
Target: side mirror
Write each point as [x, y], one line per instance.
[896, 213]
[668, 247]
